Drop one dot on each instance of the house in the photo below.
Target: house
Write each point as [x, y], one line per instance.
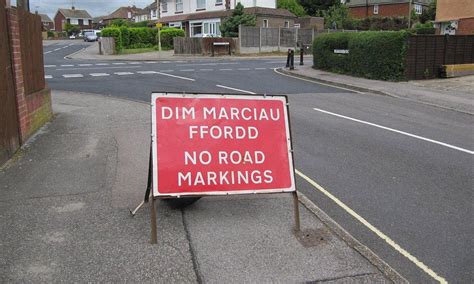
[203, 17]
[125, 13]
[454, 17]
[98, 22]
[48, 24]
[72, 16]
[385, 8]
[142, 15]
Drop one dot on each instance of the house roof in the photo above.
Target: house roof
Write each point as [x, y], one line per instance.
[356, 3]
[258, 11]
[122, 13]
[45, 18]
[144, 11]
[74, 13]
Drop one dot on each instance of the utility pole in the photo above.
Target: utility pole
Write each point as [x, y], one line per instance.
[409, 13]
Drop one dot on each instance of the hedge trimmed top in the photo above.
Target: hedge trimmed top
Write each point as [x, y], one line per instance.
[140, 37]
[373, 55]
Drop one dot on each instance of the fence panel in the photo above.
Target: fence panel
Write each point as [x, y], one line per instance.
[250, 36]
[427, 53]
[31, 51]
[305, 36]
[288, 37]
[270, 36]
[9, 135]
[188, 45]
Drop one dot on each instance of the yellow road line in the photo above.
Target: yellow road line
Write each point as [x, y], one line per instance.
[384, 237]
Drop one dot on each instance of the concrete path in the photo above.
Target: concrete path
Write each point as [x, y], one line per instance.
[458, 97]
[64, 216]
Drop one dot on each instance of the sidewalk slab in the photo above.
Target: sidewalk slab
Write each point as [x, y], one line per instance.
[64, 215]
[457, 99]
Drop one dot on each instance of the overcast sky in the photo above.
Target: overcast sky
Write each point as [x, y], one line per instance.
[95, 8]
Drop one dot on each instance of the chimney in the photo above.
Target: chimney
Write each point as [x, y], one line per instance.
[73, 8]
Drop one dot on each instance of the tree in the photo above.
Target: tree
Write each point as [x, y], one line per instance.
[314, 7]
[293, 6]
[337, 17]
[230, 26]
[119, 23]
[428, 14]
[71, 29]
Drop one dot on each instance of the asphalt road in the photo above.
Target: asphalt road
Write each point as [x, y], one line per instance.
[405, 167]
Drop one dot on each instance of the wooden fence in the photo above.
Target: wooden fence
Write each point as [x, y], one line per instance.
[31, 51]
[427, 53]
[202, 46]
[9, 135]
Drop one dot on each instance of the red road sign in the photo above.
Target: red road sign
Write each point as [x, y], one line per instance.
[220, 144]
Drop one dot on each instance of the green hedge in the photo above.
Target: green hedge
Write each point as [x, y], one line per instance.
[373, 55]
[131, 37]
[167, 36]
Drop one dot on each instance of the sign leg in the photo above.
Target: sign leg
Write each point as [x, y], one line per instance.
[154, 237]
[296, 211]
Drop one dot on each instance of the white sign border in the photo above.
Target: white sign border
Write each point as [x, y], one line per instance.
[281, 98]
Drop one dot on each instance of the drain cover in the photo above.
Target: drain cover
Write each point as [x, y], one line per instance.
[312, 237]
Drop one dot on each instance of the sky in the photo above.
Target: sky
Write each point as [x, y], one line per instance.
[95, 8]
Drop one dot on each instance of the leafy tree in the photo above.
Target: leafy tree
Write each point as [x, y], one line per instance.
[293, 6]
[119, 23]
[71, 29]
[230, 26]
[429, 14]
[337, 16]
[314, 7]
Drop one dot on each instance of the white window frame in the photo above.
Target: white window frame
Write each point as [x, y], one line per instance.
[74, 21]
[219, 2]
[418, 9]
[179, 6]
[376, 9]
[164, 6]
[210, 27]
[85, 22]
[265, 23]
[202, 6]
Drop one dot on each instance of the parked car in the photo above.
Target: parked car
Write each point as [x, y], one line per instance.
[90, 36]
[72, 37]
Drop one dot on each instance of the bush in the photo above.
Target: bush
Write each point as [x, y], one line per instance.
[142, 36]
[167, 36]
[116, 34]
[125, 35]
[50, 34]
[425, 29]
[373, 55]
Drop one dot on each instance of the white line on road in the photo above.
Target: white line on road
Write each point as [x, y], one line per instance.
[150, 62]
[85, 64]
[48, 77]
[379, 233]
[212, 64]
[57, 49]
[174, 76]
[206, 69]
[101, 68]
[73, 76]
[119, 63]
[64, 46]
[260, 68]
[46, 66]
[102, 64]
[167, 70]
[99, 74]
[123, 73]
[147, 72]
[235, 89]
[134, 63]
[67, 65]
[47, 52]
[397, 131]
[225, 69]
[187, 70]
[243, 69]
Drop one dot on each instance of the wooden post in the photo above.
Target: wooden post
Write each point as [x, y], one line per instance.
[260, 40]
[279, 39]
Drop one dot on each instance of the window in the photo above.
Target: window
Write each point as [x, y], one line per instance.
[265, 23]
[218, 2]
[206, 28]
[129, 15]
[418, 9]
[153, 13]
[196, 29]
[74, 21]
[86, 22]
[287, 24]
[164, 6]
[200, 4]
[179, 5]
[376, 9]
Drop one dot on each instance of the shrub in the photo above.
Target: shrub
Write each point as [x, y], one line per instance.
[125, 34]
[373, 55]
[50, 34]
[116, 34]
[167, 36]
[425, 29]
[144, 36]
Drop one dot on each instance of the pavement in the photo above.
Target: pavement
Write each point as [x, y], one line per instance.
[455, 94]
[91, 52]
[64, 215]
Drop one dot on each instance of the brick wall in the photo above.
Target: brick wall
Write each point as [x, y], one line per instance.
[274, 22]
[33, 109]
[465, 26]
[58, 22]
[385, 10]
